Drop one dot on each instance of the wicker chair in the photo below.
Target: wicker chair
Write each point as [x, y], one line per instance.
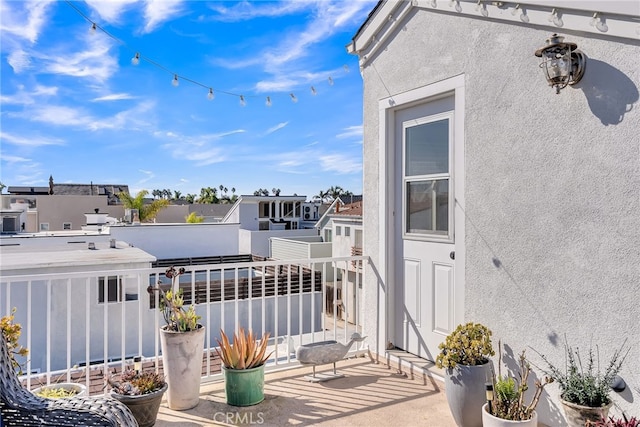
[20, 407]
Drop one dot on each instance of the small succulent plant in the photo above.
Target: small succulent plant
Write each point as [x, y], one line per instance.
[615, 422]
[469, 344]
[245, 352]
[134, 383]
[178, 318]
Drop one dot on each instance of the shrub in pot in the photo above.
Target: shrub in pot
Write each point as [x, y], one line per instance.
[465, 357]
[585, 390]
[243, 367]
[182, 343]
[507, 404]
[615, 422]
[141, 392]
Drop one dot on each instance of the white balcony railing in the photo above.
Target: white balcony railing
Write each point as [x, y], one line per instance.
[72, 334]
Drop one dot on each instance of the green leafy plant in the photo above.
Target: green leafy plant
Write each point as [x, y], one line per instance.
[508, 400]
[194, 218]
[469, 344]
[245, 352]
[178, 318]
[11, 332]
[615, 422]
[582, 384]
[135, 383]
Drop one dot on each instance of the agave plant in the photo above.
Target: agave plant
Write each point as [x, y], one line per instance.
[245, 352]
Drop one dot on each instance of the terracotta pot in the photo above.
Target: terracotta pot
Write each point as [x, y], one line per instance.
[489, 420]
[144, 407]
[182, 354]
[464, 387]
[578, 415]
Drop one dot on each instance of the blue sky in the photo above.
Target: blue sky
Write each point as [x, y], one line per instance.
[75, 107]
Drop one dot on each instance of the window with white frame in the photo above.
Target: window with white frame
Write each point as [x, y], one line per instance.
[44, 226]
[347, 231]
[327, 235]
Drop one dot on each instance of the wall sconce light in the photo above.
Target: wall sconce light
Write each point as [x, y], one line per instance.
[562, 63]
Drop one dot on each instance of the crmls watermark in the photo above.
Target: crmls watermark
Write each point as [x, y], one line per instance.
[237, 418]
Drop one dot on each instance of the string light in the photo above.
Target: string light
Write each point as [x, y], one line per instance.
[482, 8]
[137, 57]
[455, 3]
[434, 3]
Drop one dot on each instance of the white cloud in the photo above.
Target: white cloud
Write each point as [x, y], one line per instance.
[148, 175]
[23, 97]
[340, 164]
[159, 11]
[200, 149]
[246, 10]
[276, 127]
[111, 10]
[31, 141]
[19, 61]
[351, 132]
[14, 159]
[93, 62]
[113, 97]
[23, 19]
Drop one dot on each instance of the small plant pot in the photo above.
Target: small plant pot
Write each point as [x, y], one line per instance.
[489, 420]
[79, 389]
[578, 415]
[465, 391]
[144, 407]
[244, 387]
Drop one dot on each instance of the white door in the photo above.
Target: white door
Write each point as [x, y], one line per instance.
[425, 223]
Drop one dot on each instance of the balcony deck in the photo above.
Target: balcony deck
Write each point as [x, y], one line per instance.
[370, 394]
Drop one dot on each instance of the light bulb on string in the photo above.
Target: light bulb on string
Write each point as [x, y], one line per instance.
[94, 28]
[268, 103]
[210, 95]
[346, 68]
[175, 81]
[330, 81]
[136, 59]
[293, 98]
[555, 18]
[313, 91]
[242, 101]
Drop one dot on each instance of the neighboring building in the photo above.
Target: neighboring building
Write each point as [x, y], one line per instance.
[264, 217]
[490, 198]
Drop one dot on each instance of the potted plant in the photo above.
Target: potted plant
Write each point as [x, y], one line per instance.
[141, 391]
[585, 390]
[243, 367]
[506, 403]
[465, 356]
[182, 343]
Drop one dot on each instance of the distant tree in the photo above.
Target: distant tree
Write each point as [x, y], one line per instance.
[321, 196]
[233, 190]
[194, 218]
[2, 187]
[156, 194]
[261, 192]
[221, 188]
[190, 198]
[146, 211]
[275, 191]
[208, 195]
[177, 195]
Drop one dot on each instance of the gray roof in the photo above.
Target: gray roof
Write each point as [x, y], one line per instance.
[72, 190]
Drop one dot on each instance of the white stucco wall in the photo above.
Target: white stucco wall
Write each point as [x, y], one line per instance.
[552, 185]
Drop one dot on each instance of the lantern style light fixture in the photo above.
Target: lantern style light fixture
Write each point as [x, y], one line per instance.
[562, 63]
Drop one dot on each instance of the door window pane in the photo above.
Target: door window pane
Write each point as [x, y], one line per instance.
[427, 148]
[427, 207]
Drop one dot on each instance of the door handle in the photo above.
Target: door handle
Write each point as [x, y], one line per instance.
[452, 254]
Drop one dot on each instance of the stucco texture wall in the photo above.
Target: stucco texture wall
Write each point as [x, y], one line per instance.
[552, 184]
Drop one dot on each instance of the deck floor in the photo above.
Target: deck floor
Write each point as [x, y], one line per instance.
[370, 394]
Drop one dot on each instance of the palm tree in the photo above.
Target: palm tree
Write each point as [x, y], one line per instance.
[177, 195]
[276, 191]
[321, 196]
[146, 211]
[208, 195]
[156, 193]
[190, 198]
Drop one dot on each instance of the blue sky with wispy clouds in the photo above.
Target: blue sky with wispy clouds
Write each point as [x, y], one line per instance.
[75, 107]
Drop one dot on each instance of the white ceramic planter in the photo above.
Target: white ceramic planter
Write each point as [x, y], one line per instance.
[182, 364]
[80, 389]
[464, 387]
[489, 420]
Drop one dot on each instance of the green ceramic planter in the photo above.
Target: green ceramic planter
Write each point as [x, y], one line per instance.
[244, 387]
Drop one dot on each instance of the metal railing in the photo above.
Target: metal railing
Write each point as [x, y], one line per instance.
[73, 335]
